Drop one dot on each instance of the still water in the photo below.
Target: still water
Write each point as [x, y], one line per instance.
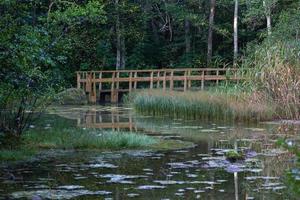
[201, 172]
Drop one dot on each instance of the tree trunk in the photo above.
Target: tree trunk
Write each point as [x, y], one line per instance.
[118, 37]
[187, 27]
[268, 17]
[235, 34]
[210, 31]
[123, 53]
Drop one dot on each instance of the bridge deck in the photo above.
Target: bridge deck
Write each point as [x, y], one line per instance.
[96, 82]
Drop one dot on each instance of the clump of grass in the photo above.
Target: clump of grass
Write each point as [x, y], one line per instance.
[86, 139]
[202, 105]
[34, 141]
[233, 155]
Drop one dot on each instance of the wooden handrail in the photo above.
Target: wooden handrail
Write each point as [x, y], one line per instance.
[89, 80]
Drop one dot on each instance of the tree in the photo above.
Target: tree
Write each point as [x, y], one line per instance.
[261, 9]
[235, 30]
[210, 31]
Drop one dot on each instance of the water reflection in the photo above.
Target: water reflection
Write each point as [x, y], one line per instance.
[197, 173]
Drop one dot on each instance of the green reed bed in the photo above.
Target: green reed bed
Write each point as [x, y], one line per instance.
[34, 141]
[201, 105]
[86, 139]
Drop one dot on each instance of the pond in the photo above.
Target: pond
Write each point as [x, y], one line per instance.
[201, 172]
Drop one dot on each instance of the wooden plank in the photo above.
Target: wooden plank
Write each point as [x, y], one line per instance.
[168, 70]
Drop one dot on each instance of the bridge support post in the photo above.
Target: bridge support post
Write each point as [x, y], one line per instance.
[94, 89]
[114, 93]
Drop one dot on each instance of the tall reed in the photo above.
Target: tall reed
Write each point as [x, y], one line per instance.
[201, 105]
[276, 74]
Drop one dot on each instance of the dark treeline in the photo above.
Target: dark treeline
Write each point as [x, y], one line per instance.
[68, 35]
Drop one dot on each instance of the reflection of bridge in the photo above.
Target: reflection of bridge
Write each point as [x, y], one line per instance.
[97, 83]
[112, 120]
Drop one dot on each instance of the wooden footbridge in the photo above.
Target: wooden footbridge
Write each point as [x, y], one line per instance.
[97, 84]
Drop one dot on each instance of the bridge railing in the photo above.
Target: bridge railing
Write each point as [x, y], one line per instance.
[95, 82]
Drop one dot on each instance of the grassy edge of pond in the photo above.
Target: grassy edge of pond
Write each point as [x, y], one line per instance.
[35, 142]
[201, 105]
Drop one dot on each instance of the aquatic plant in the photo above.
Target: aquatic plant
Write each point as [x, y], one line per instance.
[233, 155]
[34, 141]
[86, 139]
[201, 105]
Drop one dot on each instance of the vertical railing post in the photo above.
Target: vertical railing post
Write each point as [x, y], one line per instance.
[130, 81]
[202, 79]
[94, 95]
[164, 80]
[151, 80]
[217, 77]
[118, 81]
[88, 82]
[185, 81]
[135, 80]
[172, 80]
[100, 85]
[113, 93]
[189, 80]
[158, 79]
[78, 80]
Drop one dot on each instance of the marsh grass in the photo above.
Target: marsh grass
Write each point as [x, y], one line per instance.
[34, 141]
[276, 74]
[86, 139]
[202, 105]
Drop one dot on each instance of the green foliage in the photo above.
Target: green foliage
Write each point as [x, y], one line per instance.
[233, 155]
[72, 13]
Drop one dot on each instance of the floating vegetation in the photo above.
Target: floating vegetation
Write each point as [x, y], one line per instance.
[233, 155]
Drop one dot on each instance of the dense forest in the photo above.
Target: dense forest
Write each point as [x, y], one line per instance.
[61, 37]
[43, 43]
